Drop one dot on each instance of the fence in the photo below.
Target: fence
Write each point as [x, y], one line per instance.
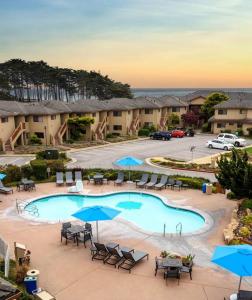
[5, 254]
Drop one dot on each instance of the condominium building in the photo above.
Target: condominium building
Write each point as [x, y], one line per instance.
[48, 120]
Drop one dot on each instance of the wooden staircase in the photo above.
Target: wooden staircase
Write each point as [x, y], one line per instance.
[100, 130]
[162, 124]
[134, 125]
[58, 139]
[10, 143]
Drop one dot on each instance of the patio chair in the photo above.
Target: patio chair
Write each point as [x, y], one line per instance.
[88, 228]
[101, 251]
[143, 180]
[162, 183]
[78, 188]
[84, 237]
[131, 259]
[69, 178]
[152, 182]
[178, 184]
[187, 269]
[90, 180]
[59, 178]
[120, 179]
[77, 175]
[4, 189]
[115, 255]
[158, 265]
[67, 236]
[170, 183]
[172, 273]
[66, 225]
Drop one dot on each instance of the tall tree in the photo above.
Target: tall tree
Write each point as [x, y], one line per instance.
[213, 99]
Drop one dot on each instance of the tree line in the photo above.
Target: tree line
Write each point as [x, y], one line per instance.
[37, 81]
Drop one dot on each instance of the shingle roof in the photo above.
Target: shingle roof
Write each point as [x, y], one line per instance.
[171, 101]
[243, 121]
[238, 101]
[199, 93]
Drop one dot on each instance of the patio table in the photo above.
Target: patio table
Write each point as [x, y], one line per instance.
[75, 230]
[98, 178]
[172, 263]
[244, 295]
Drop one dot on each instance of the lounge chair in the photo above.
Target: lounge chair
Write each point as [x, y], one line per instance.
[78, 188]
[170, 183]
[152, 182]
[120, 179]
[4, 189]
[143, 180]
[131, 259]
[178, 184]
[90, 180]
[162, 183]
[172, 273]
[77, 175]
[59, 178]
[69, 178]
[99, 251]
[115, 255]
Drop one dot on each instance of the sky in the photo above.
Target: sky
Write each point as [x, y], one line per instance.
[146, 43]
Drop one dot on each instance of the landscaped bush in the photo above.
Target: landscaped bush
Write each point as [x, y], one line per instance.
[193, 182]
[143, 132]
[34, 140]
[26, 171]
[231, 195]
[109, 135]
[240, 132]
[55, 165]
[39, 169]
[13, 173]
[246, 203]
[249, 131]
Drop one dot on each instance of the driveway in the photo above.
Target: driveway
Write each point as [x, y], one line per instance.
[104, 157]
[17, 160]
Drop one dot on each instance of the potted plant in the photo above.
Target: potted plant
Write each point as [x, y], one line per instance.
[188, 260]
[164, 254]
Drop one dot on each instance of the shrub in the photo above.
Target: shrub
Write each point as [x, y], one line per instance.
[34, 140]
[109, 136]
[63, 155]
[70, 141]
[247, 220]
[55, 165]
[235, 242]
[116, 134]
[26, 171]
[40, 155]
[245, 232]
[39, 169]
[239, 132]
[246, 203]
[51, 154]
[231, 195]
[206, 127]
[249, 131]
[144, 132]
[195, 183]
[13, 174]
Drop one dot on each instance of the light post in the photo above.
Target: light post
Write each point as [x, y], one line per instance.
[192, 149]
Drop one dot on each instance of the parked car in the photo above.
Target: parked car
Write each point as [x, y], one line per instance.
[161, 135]
[231, 139]
[189, 132]
[177, 133]
[219, 145]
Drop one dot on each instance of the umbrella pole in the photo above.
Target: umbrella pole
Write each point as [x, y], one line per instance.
[240, 284]
[97, 232]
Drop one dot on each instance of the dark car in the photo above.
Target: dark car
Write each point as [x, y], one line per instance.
[189, 132]
[160, 135]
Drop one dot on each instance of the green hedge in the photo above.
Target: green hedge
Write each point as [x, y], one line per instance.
[39, 169]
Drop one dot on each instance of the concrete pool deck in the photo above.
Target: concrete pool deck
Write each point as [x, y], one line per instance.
[68, 272]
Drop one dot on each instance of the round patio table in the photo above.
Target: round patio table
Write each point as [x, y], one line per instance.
[98, 178]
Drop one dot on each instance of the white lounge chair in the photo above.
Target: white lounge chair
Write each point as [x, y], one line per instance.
[78, 188]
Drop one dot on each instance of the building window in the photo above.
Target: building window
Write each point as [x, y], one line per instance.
[4, 120]
[117, 113]
[239, 125]
[242, 111]
[93, 115]
[222, 111]
[148, 111]
[53, 117]
[40, 135]
[37, 119]
[128, 112]
[230, 123]
[221, 125]
[117, 127]
[175, 109]
[26, 119]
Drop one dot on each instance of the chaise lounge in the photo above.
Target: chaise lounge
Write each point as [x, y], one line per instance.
[152, 182]
[59, 178]
[131, 259]
[4, 189]
[162, 183]
[143, 181]
[69, 178]
[120, 179]
[115, 255]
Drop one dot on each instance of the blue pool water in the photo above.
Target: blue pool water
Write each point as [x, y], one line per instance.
[144, 210]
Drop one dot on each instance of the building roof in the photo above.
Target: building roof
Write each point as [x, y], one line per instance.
[238, 101]
[242, 121]
[200, 93]
[171, 101]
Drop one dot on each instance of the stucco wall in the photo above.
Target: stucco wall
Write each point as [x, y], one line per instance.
[6, 129]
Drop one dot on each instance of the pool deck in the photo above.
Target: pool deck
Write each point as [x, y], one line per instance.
[68, 272]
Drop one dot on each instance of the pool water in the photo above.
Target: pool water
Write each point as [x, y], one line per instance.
[144, 210]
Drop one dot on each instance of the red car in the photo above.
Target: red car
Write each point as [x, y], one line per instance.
[177, 133]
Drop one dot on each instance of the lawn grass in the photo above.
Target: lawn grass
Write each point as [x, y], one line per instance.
[249, 150]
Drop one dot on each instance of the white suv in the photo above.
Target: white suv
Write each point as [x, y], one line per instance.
[231, 139]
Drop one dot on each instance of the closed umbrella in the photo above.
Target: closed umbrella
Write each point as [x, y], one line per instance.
[128, 161]
[96, 213]
[236, 259]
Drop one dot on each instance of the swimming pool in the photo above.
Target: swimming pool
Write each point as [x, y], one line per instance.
[146, 211]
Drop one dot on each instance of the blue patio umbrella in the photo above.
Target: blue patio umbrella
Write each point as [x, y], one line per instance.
[2, 176]
[236, 259]
[96, 213]
[128, 161]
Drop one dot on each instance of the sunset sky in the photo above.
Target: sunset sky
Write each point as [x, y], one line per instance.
[146, 43]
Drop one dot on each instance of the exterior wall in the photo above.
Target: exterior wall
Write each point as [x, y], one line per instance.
[197, 101]
[153, 118]
[6, 129]
[231, 114]
[182, 110]
[122, 120]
